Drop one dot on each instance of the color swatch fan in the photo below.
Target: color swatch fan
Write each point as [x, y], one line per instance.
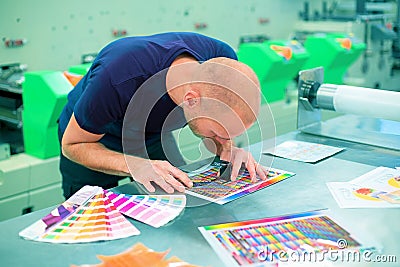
[154, 210]
[85, 217]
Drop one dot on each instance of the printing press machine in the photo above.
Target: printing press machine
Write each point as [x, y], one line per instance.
[29, 107]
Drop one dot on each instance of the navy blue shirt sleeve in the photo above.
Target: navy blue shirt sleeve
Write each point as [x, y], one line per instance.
[99, 105]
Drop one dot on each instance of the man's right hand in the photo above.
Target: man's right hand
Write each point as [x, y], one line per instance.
[162, 173]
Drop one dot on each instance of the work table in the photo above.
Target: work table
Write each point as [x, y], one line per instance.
[305, 191]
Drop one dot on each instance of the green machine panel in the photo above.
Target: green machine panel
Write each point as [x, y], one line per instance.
[81, 69]
[275, 63]
[334, 52]
[44, 96]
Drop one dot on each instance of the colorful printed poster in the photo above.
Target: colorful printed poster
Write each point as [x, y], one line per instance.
[209, 186]
[268, 241]
[303, 151]
[379, 188]
[85, 217]
[154, 210]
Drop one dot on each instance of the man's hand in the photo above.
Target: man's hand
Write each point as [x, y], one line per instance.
[168, 177]
[237, 156]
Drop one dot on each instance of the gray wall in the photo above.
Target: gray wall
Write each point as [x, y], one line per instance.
[59, 32]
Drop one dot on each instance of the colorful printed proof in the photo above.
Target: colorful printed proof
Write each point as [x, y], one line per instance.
[207, 185]
[251, 243]
[153, 210]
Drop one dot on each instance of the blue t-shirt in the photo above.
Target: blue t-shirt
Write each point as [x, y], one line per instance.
[100, 100]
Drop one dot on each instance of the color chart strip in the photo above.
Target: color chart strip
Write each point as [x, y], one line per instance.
[154, 210]
[264, 220]
[253, 188]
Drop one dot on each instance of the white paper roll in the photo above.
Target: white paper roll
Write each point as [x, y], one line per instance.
[367, 102]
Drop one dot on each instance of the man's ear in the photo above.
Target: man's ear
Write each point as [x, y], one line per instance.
[191, 98]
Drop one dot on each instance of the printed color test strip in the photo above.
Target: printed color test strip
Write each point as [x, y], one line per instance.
[242, 243]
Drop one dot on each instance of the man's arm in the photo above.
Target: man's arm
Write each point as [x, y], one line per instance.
[83, 148]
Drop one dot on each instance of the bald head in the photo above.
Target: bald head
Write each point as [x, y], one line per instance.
[231, 84]
[220, 91]
[215, 66]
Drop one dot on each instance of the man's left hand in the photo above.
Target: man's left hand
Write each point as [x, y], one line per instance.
[238, 156]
